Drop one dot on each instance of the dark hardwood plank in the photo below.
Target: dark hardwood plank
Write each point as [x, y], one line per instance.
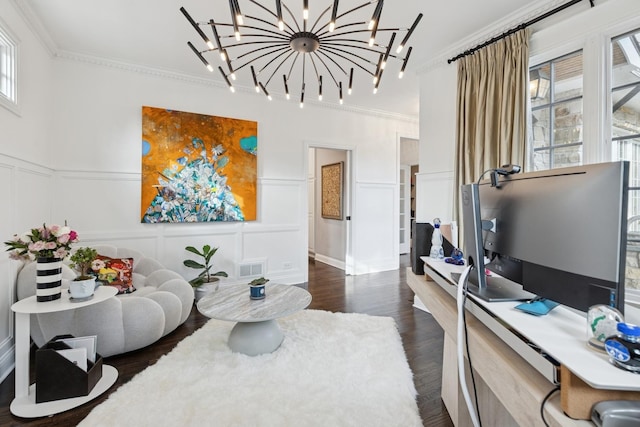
[380, 294]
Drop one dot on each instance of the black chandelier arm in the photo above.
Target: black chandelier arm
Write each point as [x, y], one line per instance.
[278, 67]
[361, 31]
[354, 9]
[252, 60]
[314, 67]
[366, 47]
[270, 39]
[295, 21]
[350, 55]
[329, 70]
[346, 59]
[318, 20]
[275, 47]
[293, 64]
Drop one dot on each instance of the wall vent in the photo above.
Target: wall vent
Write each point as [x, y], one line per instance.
[252, 269]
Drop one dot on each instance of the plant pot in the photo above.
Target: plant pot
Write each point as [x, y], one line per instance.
[257, 291]
[82, 289]
[206, 289]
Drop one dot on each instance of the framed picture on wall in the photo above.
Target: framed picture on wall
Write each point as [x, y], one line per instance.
[332, 190]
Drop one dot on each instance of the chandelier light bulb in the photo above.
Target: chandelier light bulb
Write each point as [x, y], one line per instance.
[383, 64]
[232, 89]
[401, 74]
[257, 89]
[239, 19]
[237, 35]
[210, 68]
[341, 101]
[371, 41]
[288, 96]
[349, 91]
[223, 56]
[332, 26]
[210, 44]
[281, 25]
[305, 14]
[302, 105]
[375, 90]
[233, 76]
[319, 97]
[399, 49]
[371, 24]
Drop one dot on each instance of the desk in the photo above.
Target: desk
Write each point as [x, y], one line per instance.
[257, 330]
[24, 404]
[510, 387]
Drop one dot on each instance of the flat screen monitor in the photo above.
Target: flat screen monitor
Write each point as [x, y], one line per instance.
[558, 234]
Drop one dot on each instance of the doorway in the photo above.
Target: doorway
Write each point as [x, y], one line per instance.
[329, 236]
[408, 169]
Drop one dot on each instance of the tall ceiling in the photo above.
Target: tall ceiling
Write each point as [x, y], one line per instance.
[154, 34]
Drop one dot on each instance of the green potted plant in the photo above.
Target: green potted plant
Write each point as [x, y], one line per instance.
[257, 288]
[203, 282]
[84, 284]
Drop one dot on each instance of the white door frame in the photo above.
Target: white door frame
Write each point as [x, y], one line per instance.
[349, 195]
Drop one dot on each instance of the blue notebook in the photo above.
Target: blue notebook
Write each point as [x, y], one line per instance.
[538, 306]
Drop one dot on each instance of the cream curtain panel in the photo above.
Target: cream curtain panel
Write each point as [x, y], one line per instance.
[491, 110]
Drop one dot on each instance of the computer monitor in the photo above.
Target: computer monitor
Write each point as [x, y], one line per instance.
[559, 234]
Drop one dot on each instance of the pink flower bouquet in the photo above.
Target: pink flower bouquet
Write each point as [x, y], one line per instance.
[53, 241]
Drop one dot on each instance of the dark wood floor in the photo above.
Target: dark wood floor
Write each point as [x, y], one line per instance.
[380, 294]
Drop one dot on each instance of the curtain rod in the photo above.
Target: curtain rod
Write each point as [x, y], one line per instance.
[518, 28]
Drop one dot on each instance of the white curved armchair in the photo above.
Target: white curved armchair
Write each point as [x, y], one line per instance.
[162, 301]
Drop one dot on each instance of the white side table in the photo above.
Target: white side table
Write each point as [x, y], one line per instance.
[24, 404]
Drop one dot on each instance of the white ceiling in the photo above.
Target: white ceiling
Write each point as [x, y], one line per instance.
[154, 33]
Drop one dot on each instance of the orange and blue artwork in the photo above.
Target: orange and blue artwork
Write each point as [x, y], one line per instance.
[197, 168]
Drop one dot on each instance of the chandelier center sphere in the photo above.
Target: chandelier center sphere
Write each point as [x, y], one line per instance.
[304, 42]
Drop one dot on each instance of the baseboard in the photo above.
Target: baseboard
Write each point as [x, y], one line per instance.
[330, 261]
[7, 363]
[417, 303]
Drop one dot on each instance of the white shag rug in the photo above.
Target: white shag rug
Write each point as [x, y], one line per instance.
[332, 369]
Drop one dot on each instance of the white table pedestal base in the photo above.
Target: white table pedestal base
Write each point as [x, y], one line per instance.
[254, 338]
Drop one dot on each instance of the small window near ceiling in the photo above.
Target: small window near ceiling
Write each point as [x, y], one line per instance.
[8, 69]
[556, 113]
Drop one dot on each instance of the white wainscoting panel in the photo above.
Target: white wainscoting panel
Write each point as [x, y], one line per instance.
[434, 196]
[376, 210]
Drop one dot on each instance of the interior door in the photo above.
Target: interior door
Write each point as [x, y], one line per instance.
[405, 209]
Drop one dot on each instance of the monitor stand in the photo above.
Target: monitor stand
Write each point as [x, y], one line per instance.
[497, 289]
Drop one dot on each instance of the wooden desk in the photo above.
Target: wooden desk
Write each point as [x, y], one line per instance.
[510, 390]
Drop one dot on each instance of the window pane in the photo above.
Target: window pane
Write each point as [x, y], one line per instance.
[567, 156]
[567, 123]
[567, 77]
[625, 59]
[556, 112]
[540, 128]
[539, 81]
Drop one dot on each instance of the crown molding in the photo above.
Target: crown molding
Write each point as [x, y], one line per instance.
[35, 24]
[499, 27]
[173, 75]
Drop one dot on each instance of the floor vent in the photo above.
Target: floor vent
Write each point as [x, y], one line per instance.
[252, 269]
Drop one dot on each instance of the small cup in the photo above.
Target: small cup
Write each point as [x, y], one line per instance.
[257, 291]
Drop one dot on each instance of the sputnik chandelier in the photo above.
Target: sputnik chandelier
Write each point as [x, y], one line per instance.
[327, 44]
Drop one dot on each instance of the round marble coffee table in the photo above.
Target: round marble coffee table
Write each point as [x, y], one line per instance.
[256, 331]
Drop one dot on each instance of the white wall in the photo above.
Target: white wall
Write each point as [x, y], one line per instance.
[25, 149]
[74, 154]
[579, 27]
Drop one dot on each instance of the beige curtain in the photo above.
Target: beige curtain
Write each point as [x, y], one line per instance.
[491, 110]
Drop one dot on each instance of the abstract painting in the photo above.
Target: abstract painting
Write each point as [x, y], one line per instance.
[332, 191]
[197, 168]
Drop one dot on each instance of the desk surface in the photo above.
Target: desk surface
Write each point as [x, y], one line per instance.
[232, 303]
[562, 334]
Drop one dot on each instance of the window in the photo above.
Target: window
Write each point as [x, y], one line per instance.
[556, 113]
[625, 114]
[8, 69]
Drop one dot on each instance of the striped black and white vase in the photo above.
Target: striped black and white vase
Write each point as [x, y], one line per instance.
[48, 279]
